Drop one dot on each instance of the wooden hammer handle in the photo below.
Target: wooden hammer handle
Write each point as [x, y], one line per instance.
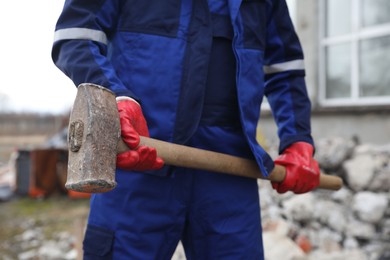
[189, 157]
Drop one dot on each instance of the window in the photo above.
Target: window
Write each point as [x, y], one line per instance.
[354, 52]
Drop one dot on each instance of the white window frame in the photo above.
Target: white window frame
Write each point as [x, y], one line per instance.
[354, 37]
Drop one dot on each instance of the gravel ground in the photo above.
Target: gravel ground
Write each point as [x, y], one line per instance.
[30, 228]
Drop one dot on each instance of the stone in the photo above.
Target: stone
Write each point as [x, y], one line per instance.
[354, 254]
[360, 171]
[377, 251]
[384, 226]
[332, 152]
[28, 255]
[350, 243]
[50, 250]
[277, 226]
[370, 207]
[331, 214]
[360, 230]
[343, 196]
[329, 241]
[300, 207]
[381, 181]
[278, 247]
[304, 243]
[338, 220]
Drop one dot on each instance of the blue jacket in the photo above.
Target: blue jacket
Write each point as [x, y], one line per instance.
[157, 52]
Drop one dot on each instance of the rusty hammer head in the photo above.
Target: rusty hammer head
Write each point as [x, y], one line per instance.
[94, 131]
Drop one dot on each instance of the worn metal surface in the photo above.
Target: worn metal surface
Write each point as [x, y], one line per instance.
[94, 130]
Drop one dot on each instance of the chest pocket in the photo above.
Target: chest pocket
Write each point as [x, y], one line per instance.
[150, 16]
[254, 17]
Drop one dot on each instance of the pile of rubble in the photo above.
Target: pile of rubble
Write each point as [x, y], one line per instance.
[352, 223]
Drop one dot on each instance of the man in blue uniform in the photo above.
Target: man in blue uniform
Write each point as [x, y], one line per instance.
[191, 72]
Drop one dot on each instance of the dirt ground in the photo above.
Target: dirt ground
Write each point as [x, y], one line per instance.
[51, 216]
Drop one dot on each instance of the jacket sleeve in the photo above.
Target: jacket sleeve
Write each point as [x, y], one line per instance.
[285, 85]
[80, 47]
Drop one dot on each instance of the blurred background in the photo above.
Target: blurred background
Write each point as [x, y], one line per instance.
[347, 55]
[30, 82]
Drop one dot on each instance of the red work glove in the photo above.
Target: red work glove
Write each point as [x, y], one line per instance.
[302, 171]
[133, 124]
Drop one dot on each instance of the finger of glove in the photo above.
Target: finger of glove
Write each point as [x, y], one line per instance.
[158, 164]
[289, 181]
[305, 189]
[308, 179]
[127, 160]
[141, 127]
[277, 186]
[148, 159]
[286, 185]
[301, 187]
[133, 112]
[129, 134]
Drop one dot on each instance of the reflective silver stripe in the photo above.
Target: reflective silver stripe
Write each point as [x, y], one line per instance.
[80, 33]
[284, 66]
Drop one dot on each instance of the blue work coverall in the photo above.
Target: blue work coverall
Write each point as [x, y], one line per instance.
[200, 70]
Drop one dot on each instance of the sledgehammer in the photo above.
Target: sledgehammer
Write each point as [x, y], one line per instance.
[94, 140]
